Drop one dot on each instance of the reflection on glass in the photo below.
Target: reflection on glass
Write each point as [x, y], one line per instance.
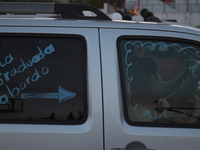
[42, 79]
[161, 80]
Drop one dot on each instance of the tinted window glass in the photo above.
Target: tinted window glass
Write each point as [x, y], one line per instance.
[42, 79]
[160, 80]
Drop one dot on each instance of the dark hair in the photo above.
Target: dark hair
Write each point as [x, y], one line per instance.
[141, 70]
[127, 17]
[143, 11]
[153, 19]
[147, 14]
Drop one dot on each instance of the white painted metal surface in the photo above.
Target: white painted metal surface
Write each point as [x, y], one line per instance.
[105, 127]
[118, 134]
[88, 135]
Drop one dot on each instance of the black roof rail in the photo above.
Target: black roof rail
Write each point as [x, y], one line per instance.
[67, 11]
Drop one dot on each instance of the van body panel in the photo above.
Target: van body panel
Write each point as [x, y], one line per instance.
[116, 127]
[115, 24]
[105, 127]
[88, 135]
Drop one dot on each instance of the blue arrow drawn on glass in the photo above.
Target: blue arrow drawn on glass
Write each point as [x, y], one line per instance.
[62, 95]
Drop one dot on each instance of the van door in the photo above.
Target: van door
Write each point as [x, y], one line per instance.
[51, 94]
[133, 119]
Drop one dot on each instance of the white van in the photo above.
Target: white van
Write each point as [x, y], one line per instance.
[75, 82]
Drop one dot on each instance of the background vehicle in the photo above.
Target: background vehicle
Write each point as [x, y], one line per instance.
[64, 79]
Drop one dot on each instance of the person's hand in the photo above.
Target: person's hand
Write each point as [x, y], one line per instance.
[162, 104]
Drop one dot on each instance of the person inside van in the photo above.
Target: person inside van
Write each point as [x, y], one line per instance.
[146, 103]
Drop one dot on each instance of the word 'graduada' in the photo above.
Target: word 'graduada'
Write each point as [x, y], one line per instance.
[23, 66]
[5, 77]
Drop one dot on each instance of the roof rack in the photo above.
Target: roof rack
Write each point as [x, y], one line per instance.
[67, 11]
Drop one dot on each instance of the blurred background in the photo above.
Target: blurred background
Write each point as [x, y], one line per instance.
[183, 11]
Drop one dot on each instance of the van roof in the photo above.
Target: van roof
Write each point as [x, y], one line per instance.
[39, 15]
[50, 22]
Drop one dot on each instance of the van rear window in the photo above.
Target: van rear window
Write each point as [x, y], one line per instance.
[42, 79]
[160, 81]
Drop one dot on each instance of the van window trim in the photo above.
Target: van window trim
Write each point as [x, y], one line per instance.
[122, 85]
[85, 87]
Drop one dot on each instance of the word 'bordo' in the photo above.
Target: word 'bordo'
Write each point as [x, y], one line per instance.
[16, 90]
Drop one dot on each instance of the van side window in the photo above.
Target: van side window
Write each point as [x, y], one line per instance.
[42, 79]
[160, 81]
